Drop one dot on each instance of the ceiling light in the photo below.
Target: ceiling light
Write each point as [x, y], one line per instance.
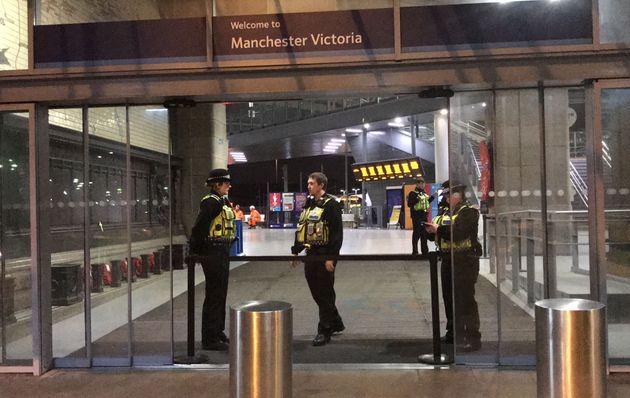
[376, 132]
[366, 125]
[398, 120]
[443, 112]
[329, 150]
[338, 140]
[396, 124]
[353, 130]
[156, 110]
[483, 104]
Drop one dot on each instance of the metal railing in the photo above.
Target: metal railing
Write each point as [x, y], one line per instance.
[578, 184]
[513, 235]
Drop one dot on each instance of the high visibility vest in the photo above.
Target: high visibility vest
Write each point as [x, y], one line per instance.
[423, 201]
[447, 245]
[222, 229]
[312, 230]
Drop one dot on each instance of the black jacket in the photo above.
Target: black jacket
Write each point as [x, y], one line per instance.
[466, 225]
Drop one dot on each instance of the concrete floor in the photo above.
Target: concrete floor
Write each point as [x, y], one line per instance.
[459, 382]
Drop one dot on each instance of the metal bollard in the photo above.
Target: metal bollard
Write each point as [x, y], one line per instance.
[570, 348]
[261, 333]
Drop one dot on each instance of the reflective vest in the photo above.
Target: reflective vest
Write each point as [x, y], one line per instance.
[423, 201]
[312, 230]
[222, 227]
[447, 245]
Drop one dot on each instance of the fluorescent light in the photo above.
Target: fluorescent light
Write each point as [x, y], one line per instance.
[334, 144]
[238, 153]
[156, 110]
[377, 132]
[353, 130]
[443, 112]
[338, 140]
[483, 104]
[366, 125]
[396, 124]
[330, 150]
[398, 120]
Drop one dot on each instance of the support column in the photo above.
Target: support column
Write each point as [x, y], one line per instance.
[199, 137]
[440, 127]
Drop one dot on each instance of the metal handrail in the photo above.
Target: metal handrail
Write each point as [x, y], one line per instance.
[578, 183]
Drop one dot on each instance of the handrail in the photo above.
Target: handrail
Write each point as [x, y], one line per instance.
[578, 183]
[474, 158]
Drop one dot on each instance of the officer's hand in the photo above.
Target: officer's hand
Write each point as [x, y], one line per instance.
[330, 266]
[431, 228]
[295, 262]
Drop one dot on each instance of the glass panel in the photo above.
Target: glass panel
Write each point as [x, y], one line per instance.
[109, 205]
[616, 143]
[14, 35]
[16, 346]
[51, 12]
[150, 220]
[256, 7]
[472, 278]
[614, 18]
[67, 207]
[567, 192]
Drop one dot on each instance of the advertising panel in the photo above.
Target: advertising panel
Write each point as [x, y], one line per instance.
[287, 201]
[275, 201]
[300, 200]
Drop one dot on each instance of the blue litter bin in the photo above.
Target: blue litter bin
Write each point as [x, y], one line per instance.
[237, 247]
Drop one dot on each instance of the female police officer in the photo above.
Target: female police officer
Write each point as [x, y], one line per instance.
[210, 241]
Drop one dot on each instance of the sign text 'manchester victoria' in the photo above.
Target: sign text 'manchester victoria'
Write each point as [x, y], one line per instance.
[303, 32]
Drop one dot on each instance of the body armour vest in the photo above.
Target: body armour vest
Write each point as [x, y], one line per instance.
[312, 230]
[423, 201]
[222, 229]
[447, 245]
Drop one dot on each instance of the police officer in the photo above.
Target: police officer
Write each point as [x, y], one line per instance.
[419, 202]
[320, 233]
[211, 238]
[456, 237]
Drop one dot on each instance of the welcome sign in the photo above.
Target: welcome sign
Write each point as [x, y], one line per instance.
[356, 31]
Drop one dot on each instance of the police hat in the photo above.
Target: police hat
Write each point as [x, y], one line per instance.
[218, 175]
[459, 188]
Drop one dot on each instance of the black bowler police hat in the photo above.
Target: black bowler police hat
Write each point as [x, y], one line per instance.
[218, 175]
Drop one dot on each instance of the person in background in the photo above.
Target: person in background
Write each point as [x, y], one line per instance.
[419, 203]
[210, 241]
[320, 232]
[455, 233]
[238, 213]
[254, 217]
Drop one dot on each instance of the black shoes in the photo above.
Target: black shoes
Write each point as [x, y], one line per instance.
[216, 346]
[446, 339]
[472, 346]
[223, 338]
[321, 339]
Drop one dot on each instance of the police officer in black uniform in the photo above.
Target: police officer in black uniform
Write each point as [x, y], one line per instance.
[210, 241]
[464, 250]
[320, 233]
[419, 202]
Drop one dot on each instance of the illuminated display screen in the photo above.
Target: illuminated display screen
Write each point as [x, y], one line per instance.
[384, 170]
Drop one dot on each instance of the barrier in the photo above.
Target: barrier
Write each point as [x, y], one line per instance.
[570, 348]
[261, 334]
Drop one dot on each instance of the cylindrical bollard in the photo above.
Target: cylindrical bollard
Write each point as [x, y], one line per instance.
[570, 348]
[261, 333]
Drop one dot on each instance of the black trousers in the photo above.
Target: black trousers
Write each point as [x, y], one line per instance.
[322, 286]
[216, 269]
[463, 319]
[419, 232]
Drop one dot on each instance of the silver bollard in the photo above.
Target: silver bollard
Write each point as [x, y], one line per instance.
[570, 348]
[261, 334]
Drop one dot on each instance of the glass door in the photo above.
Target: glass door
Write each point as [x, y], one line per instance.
[16, 311]
[614, 171]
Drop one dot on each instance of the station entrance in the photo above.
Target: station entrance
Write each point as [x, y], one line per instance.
[124, 184]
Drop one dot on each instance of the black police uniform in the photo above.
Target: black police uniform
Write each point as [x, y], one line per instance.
[214, 259]
[465, 323]
[320, 281]
[418, 218]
